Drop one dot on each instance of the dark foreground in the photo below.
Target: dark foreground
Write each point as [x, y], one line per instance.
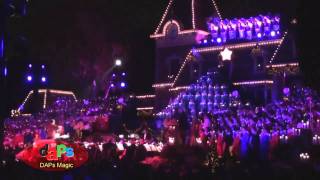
[175, 163]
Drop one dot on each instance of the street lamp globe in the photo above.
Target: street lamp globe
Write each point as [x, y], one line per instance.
[118, 62]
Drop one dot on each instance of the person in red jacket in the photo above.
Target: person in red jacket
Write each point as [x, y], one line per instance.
[221, 145]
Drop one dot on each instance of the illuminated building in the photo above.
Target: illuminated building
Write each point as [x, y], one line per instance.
[244, 50]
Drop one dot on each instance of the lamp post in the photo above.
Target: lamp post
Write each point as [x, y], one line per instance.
[117, 64]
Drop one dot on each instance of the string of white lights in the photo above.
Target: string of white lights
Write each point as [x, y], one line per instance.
[253, 82]
[179, 88]
[45, 100]
[194, 31]
[238, 46]
[282, 65]
[161, 85]
[216, 8]
[200, 32]
[144, 108]
[193, 14]
[181, 68]
[278, 48]
[25, 100]
[74, 97]
[146, 96]
[165, 27]
[44, 91]
[61, 92]
[64, 93]
[26, 115]
[163, 16]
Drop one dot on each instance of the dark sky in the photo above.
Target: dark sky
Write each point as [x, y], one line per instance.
[79, 39]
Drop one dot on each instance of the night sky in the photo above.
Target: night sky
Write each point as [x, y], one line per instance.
[78, 39]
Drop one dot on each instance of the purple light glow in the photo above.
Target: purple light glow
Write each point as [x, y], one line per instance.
[30, 65]
[113, 75]
[259, 35]
[205, 41]
[235, 93]
[123, 74]
[5, 72]
[2, 48]
[123, 84]
[112, 85]
[29, 78]
[121, 100]
[267, 19]
[242, 22]
[225, 27]
[239, 28]
[43, 79]
[211, 26]
[233, 25]
[219, 40]
[259, 23]
[42, 66]
[286, 91]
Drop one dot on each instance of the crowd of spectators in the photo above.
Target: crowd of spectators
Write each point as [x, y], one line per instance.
[248, 141]
[65, 118]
